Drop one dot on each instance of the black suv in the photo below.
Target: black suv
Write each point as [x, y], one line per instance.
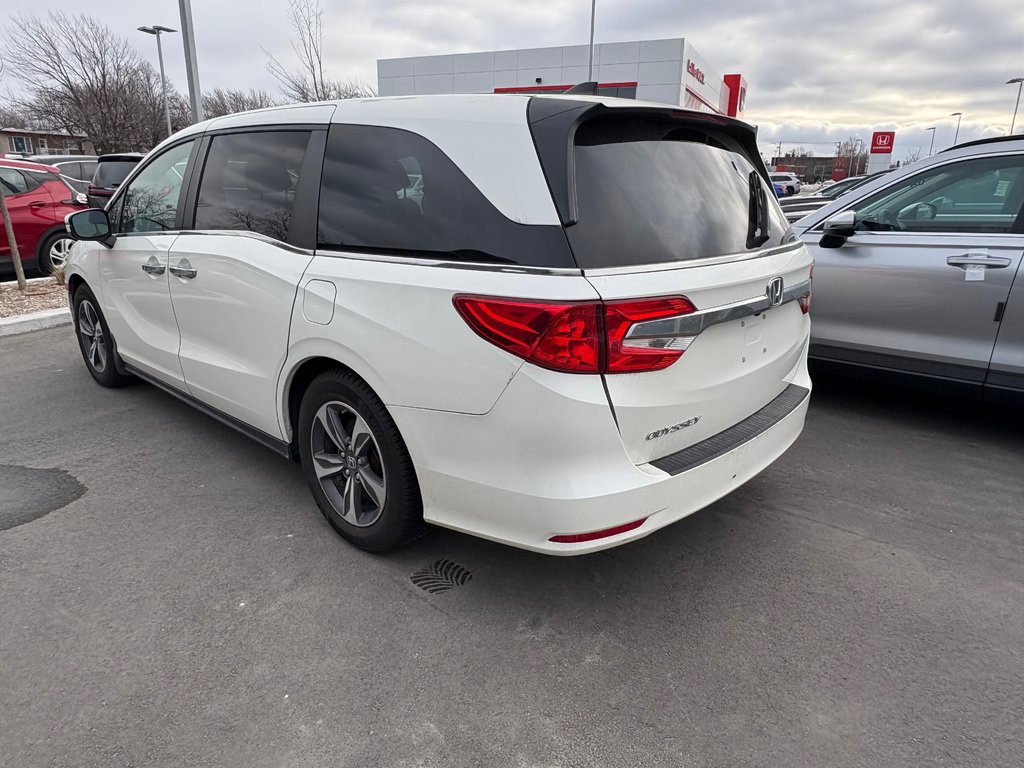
[111, 170]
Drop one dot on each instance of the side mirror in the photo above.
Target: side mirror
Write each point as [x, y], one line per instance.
[837, 229]
[90, 224]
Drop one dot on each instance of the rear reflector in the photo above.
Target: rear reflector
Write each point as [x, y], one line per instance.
[576, 538]
[577, 337]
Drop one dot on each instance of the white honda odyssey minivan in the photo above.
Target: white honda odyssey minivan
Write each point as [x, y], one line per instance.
[556, 322]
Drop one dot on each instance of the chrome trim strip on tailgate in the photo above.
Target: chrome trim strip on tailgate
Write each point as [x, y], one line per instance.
[736, 435]
[695, 322]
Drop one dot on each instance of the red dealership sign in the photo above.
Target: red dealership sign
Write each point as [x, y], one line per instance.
[695, 72]
[881, 142]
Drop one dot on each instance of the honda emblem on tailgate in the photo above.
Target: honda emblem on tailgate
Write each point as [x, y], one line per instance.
[775, 291]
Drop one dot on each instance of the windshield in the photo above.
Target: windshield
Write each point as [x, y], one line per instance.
[650, 192]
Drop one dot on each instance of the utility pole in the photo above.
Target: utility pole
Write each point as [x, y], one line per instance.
[188, 40]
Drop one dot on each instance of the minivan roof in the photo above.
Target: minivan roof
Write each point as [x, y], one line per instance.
[474, 107]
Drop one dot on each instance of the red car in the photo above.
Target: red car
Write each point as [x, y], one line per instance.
[38, 200]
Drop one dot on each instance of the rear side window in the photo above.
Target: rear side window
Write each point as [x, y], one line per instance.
[249, 182]
[14, 181]
[390, 191]
[112, 172]
[651, 192]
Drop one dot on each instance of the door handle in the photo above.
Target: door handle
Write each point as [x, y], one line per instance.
[184, 270]
[978, 260]
[37, 204]
[153, 267]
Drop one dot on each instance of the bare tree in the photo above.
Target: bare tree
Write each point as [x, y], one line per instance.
[307, 82]
[227, 101]
[77, 75]
[913, 156]
[855, 155]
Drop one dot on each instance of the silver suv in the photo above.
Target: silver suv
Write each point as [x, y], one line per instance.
[918, 272]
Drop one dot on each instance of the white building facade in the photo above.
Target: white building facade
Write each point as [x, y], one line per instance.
[669, 71]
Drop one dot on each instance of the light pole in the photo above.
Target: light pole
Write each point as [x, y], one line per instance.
[931, 146]
[1020, 82]
[956, 135]
[156, 29]
[188, 40]
[590, 64]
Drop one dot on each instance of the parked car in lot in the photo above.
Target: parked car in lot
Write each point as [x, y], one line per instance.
[38, 199]
[787, 181]
[918, 272]
[77, 170]
[563, 357]
[796, 208]
[111, 170]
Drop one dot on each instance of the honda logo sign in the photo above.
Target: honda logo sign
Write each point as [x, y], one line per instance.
[881, 142]
[775, 291]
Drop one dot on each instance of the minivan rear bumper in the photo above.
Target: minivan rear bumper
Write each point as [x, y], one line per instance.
[477, 475]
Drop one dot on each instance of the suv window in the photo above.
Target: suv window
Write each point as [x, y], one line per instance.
[387, 190]
[14, 181]
[150, 203]
[110, 173]
[981, 194]
[652, 192]
[249, 182]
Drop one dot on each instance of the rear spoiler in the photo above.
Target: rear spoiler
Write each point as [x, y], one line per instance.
[554, 122]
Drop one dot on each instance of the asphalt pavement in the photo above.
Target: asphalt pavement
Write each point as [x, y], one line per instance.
[170, 596]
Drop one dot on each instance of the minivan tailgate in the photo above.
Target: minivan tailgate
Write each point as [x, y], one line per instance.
[735, 365]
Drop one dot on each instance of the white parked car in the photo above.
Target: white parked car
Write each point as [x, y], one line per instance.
[788, 181]
[563, 346]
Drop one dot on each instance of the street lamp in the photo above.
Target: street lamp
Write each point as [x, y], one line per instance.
[156, 29]
[931, 146]
[1020, 82]
[957, 115]
[590, 64]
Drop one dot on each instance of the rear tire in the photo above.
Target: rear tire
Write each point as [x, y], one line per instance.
[53, 253]
[95, 341]
[356, 464]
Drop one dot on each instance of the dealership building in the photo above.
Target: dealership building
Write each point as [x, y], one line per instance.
[669, 71]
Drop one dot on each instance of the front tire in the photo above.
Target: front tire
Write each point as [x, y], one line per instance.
[95, 341]
[356, 464]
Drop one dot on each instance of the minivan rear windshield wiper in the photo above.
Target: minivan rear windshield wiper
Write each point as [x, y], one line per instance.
[757, 221]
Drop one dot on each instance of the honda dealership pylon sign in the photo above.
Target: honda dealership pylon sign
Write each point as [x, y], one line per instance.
[880, 155]
[881, 142]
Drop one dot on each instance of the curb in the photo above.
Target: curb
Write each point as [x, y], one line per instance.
[37, 321]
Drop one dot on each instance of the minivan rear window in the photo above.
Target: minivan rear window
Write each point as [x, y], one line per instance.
[652, 191]
[111, 173]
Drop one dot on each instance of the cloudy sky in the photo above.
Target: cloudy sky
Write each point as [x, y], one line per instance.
[818, 70]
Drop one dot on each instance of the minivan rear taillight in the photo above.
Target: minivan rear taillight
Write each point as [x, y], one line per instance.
[577, 337]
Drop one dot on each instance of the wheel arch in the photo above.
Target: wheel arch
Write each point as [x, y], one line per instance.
[296, 384]
[46, 236]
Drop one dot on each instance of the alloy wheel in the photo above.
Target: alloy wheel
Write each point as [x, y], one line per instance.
[348, 463]
[59, 252]
[91, 331]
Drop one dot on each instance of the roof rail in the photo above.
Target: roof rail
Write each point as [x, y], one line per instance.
[990, 140]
